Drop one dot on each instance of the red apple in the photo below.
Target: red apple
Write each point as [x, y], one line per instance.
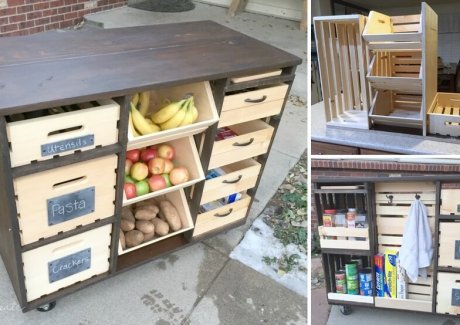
[166, 151]
[168, 166]
[130, 190]
[167, 180]
[157, 166]
[133, 155]
[179, 175]
[128, 164]
[157, 182]
[139, 171]
[147, 154]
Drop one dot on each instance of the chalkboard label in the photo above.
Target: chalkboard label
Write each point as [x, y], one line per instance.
[69, 265]
[457, 249]
[70, 206]
[458, 207]
[54, 148]
[455, 297]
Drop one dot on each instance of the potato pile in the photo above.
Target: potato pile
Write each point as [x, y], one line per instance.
[140, 224]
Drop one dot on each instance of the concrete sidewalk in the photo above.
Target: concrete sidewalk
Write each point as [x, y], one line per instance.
[199, 284]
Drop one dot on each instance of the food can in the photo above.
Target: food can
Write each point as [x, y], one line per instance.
[340, 282]
[359, 263]
[365, 292]
[365, 280]
[351, 270]
[328, 220]
[351, 221]
[352, 287]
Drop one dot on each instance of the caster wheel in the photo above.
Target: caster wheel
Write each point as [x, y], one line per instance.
[345, 310]
[47, 307]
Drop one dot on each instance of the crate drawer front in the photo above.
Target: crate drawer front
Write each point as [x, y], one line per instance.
[63, 263]
[62, 134]
[252, 105]
[450, 201]
[449, 244]
[239, 177]
[63, 198]
[253, 139]
[222, 216]
[448, 298]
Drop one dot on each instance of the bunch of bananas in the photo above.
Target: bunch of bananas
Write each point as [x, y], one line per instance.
[172, 115]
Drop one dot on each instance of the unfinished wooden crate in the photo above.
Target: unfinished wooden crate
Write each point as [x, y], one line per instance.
[204, 102]
[450, 201]
[178, 199]
[93, 124]
[399, 109]
[343, 60]
[449, 244]
[444, 115]
[63, 263]
[245, 78]
[399, 71]
[393, 200]
[447, 301]
[360, 237]
[68, 197]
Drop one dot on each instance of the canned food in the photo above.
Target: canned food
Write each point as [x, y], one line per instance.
[365, 275]
[351, 269]
[359, 263]
[340, 282]
[365, 292]
[352, 287]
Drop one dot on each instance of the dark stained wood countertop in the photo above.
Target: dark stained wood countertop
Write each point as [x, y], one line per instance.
[58, 68]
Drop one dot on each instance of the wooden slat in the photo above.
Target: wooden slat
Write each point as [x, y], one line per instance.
[404, 304]
[345, 244]
[343, 232]
[345, 63]
[323, 68]
[354, 298]
[411, 187]
[406, 19]
[335, 70]
[419, 289]
[407, 28]
[399, 210]
[395, 225]
[354, 67]
[426, 197]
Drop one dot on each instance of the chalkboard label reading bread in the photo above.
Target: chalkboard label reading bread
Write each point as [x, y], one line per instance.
[69, 265]
[455, 297]
[70, 206]
[54, 148]
[457, 249]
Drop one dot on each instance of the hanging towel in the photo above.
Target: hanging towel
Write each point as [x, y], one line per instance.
[417, 246]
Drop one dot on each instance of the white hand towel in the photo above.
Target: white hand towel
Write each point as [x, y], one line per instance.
[416, 251]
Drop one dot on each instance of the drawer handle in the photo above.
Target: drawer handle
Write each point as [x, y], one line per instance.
[234, 181]
[259, 100]
[237, 144]
[224, 214]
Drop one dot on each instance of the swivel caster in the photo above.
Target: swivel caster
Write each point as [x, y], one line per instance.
[47, 307]
[346, 310]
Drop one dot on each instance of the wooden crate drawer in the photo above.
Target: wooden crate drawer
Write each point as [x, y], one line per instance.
[449, 244]
[343, 242]
[204, 102]
[253, 139]
[238, 177]
[450, 201]
[222, 216]
[65, 262]
[444, 114]
[400, 71]
[251, 105]
[448, 298]
[178, 199]
[45, 137]
[274, 73]
[64, 198]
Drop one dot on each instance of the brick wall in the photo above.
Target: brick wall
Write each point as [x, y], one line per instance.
[24, 17]
[356, 169]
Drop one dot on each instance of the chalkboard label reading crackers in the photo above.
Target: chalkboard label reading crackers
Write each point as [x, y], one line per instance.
[70, 206]
[69, 265]
[54, 148]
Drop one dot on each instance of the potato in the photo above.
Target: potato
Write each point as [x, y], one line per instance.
[148, 237]
[122, 240]
[170, 215]
[145, 226]
[126, 225]
[147, 212]
[161, 227]
[127, 213]
[134, 238]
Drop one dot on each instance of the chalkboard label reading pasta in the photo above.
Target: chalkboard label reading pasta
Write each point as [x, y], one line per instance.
[55, 148]
[70, 206]
[455, 297]
[69, 265]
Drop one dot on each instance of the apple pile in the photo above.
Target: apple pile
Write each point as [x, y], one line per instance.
[152, 169]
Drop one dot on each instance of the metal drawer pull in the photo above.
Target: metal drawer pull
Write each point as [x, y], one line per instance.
[234, 181]
[237, 144]
[259, 100]
[224, 214]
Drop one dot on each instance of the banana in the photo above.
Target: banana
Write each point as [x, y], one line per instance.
[131, 126]
[144, 100]
[176, 120]
[167, 112]
[140, 123]
[154, 126]
[188, 119]
[135, 99]
[194, 111]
